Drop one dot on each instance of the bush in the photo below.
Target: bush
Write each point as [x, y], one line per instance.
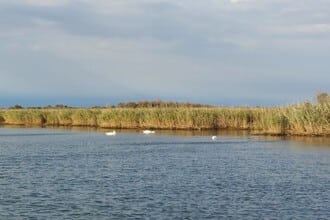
[322, 98]
[16, 107]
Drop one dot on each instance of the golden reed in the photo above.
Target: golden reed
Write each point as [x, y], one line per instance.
[302, 119]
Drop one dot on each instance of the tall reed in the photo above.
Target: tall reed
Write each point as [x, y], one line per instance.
[302, 119]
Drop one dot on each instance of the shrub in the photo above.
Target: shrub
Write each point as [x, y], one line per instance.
[322, 98]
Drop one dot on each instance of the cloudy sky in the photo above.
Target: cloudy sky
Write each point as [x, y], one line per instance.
[222, 52]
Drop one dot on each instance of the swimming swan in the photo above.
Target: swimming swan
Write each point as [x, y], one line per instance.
[148, 132]
[214, 137]
[111, 133]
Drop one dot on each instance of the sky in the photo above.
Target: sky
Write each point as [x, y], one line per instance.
[219, 52]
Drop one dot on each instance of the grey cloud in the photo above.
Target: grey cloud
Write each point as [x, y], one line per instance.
[163, 21]
[164, 49]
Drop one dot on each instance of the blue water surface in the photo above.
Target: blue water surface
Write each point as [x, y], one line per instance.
[70, 174]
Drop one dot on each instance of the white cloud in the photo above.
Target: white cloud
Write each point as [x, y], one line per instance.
[235, 1]
[313, 28]
[38, 22]
[301, 29]
[38, 3]
[47, 3]
[241, 1]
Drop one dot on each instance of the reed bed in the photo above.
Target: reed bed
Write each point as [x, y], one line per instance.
[302, 119]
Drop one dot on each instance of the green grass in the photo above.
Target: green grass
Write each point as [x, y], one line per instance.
[302, 119]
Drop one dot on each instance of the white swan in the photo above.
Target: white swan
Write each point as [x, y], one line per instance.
[214, 137]
[111, 133]
[148, 132]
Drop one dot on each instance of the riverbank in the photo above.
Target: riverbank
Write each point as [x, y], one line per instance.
[302, 119]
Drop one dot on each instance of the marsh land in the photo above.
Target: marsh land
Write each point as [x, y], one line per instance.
[300, 119]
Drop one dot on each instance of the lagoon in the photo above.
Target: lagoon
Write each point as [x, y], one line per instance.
[84, 174]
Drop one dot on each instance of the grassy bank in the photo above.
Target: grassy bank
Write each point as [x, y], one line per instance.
[303, 119]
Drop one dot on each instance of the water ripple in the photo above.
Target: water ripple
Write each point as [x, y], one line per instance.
[89, 176]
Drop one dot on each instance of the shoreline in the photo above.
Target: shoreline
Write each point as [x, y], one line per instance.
[208, 130]
[298, 120]
[165, 130]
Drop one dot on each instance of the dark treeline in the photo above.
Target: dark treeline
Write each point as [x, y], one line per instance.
[140, 104]
[59, 106]
[300, 119]
[321, 98]
[160, 104]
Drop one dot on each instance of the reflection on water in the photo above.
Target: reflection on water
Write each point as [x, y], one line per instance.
[311, 141]
[301, 141]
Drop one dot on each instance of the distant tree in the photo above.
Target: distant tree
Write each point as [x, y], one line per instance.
[61, 106]
[159, 104]
[322, 97]
[16, 107]
[34, 107]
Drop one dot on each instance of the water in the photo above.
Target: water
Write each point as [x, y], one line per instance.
[68, 174]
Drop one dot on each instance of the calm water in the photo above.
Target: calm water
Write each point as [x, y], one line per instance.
[65, 174]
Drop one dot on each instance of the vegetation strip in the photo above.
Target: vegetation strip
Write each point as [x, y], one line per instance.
[302, 119]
